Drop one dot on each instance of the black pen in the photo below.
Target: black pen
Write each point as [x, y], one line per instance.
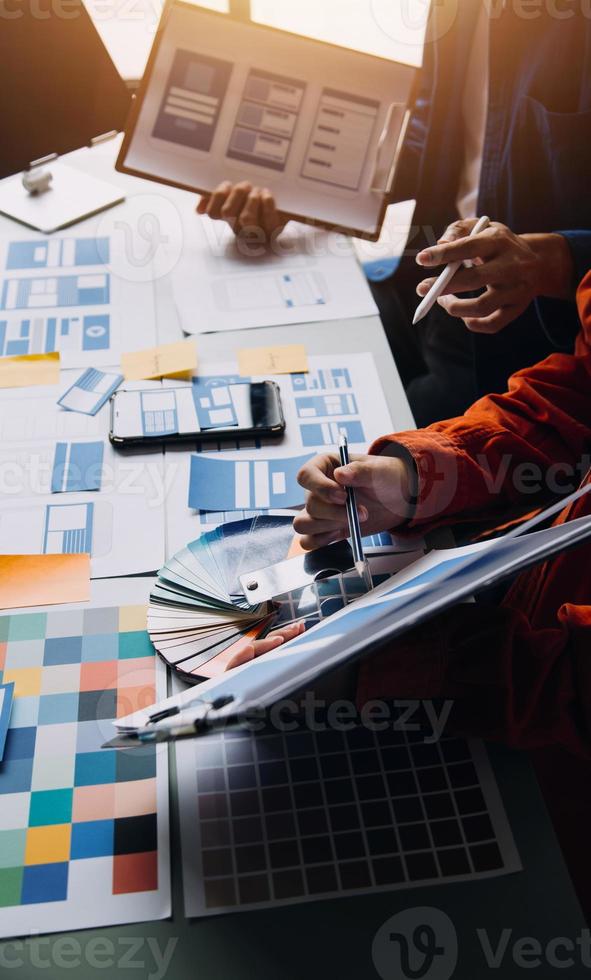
[359, 558]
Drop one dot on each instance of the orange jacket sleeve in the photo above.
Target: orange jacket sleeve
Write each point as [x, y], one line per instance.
[519, 673]
[510, 447]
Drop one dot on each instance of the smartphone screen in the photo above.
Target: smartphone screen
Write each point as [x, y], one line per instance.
[217, 410]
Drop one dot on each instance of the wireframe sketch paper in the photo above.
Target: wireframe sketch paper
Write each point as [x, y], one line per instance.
[348, 395]
[72, 492]
[75, 294]
[310, 275]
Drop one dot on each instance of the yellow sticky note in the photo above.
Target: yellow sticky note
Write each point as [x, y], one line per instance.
[168, 360]
[291, 359]
[23, 370]
[43, 580]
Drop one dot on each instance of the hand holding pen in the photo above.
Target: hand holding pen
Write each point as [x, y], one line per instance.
[506, 271]
[383, 485]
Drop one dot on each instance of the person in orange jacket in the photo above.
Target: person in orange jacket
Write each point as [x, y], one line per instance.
[518, 672]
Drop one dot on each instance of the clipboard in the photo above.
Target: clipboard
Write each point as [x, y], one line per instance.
[319, 125]
[52, 195]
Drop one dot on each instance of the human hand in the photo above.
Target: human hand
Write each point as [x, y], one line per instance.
[382, 488]
[511, 269]
[270, 642]
[250, 211]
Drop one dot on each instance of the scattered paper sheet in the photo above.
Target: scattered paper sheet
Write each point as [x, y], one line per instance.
[79, 295]
[43, 580]
[6, 696]
[72, 492]
[168, 360]
[29, 369]
[78, 810]
[314, 277]
[290, 359]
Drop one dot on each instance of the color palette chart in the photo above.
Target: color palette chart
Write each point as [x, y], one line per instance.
[279, 818]
[83, 831]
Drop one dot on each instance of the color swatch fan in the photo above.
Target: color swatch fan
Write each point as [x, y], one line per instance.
[198, 619]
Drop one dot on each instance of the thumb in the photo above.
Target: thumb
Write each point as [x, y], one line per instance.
[357, 474]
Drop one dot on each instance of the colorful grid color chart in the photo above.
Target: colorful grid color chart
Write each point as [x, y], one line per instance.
[83, 831]
[277, 818]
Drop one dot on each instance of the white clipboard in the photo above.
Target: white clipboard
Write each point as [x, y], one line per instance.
[319, 125]
[71, 196]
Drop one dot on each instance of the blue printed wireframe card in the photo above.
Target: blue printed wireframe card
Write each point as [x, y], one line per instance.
[245, 484]
[6, 699]
[90, 392]
[77, 466]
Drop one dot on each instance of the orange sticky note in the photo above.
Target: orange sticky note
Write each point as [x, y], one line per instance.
[23, 370]
[43, 580]
[289, 359]
[168, 360]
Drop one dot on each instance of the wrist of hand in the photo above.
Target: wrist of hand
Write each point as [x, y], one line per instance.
[408, 476]
[556, 272]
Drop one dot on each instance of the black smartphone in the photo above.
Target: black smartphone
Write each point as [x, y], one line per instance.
[208, 410]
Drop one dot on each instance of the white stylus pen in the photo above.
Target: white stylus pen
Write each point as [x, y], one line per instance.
[446, 277]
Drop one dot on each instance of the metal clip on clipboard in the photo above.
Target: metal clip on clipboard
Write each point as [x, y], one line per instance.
[389, 148]
[266, 584]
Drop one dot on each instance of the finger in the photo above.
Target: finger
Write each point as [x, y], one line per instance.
[495, 322]
[424, 286]
[359, 473]
[287, 632]
[250, 216]
[458, 229]
[271, 219]
[306, 525]
[477, 306]
[218, 199]
[203, 203]
[493, 273]
[310, 542]
[317, 477]
[276, 639]
[477, 246]
[321, 510]
[235, 201]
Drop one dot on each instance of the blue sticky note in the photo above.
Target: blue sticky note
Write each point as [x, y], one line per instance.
[6, 699]
[245, 484]
[90, 392]
[77, 466]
